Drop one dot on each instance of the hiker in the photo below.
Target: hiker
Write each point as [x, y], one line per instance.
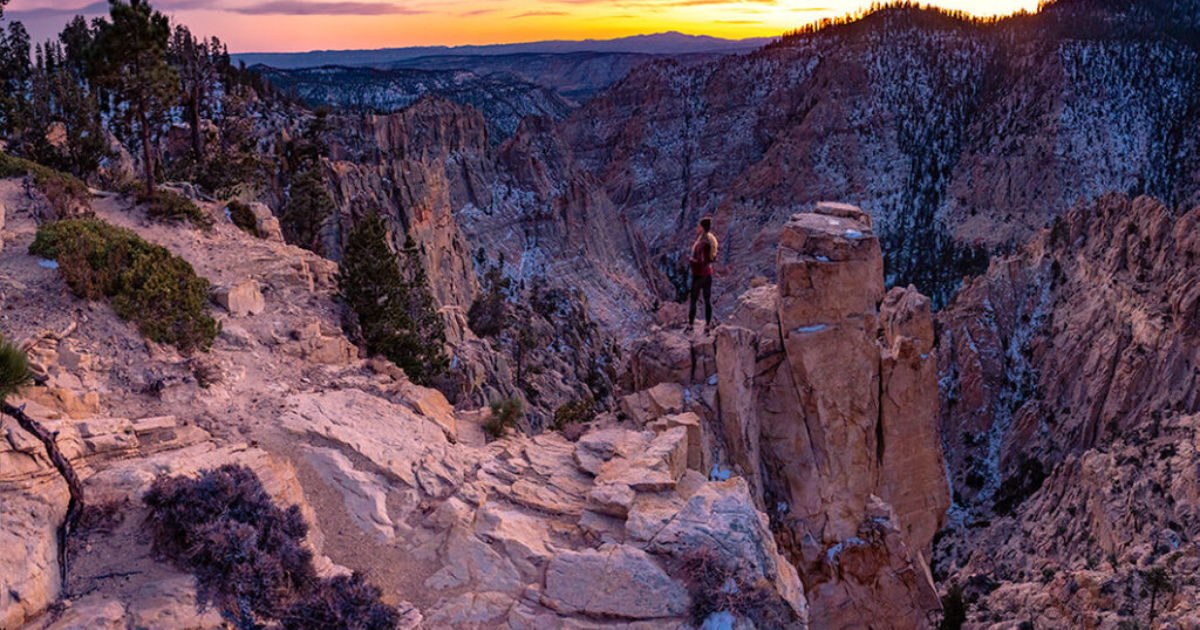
[704, 254]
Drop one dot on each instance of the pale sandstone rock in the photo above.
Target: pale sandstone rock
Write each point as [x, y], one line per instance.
[721, 516]
[29, 580]
[241, 299]
[268, 224]
[524, 539]
[393, 437]
[365, 494]
[171, 605]
[661, 400]
[612, 499]
[95, 612]
[314, 344]
[65, 401]
[597, 447]
[663, 357]
[616, 581]
[691, 424]
[433, 405]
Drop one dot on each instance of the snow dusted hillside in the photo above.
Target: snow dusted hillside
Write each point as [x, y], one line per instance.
[503, 99]
[955, 136]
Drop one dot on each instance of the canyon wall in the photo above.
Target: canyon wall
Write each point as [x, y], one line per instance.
[1070, 394]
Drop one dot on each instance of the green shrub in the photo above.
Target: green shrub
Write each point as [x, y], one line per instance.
[172, 207]
[249, 558]
[243, 217]
[578, 412]
[14, 369]
[146, 283]
[506, 414]
[66, 193]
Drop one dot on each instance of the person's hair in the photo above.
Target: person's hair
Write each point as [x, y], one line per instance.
[706, 223]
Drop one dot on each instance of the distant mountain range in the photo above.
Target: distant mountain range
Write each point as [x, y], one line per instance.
[503, 99]
[505, 82]
[671, 43]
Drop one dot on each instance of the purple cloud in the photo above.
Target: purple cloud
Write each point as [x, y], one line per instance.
[311, 7]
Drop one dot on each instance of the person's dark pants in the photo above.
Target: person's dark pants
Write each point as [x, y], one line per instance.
[701, 284]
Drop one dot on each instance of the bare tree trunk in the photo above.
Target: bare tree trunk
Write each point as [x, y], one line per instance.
[75, 506]
[147, 151]
[197, 138]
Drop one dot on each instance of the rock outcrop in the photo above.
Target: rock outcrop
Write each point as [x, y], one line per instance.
[828, 402]
[459, 532]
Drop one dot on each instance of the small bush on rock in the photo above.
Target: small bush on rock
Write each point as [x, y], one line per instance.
[66, 193]
[172, 207]
[574, 413]
[506, 414]
[14, 369]
[146, 283]
[716, 586]
[243, 217]
[248, 555]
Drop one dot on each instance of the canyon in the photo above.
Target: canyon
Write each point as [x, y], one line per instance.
[954, 380]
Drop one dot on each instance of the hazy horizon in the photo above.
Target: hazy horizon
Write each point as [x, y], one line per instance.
[281, 26]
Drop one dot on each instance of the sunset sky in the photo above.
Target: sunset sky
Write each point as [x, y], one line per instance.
[300, 25]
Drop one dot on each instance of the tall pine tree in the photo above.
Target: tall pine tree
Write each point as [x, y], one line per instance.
[391, 307]
[131, 60]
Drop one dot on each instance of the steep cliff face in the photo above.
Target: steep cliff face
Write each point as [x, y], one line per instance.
[949, 134]
[417, 168]
[1070, 386]
[503, 99]
[828, 404]
[1072, 341]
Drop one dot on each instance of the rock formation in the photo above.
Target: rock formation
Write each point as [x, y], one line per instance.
[1070, 390]
[828, 403]
[822, 395]
[522, 532]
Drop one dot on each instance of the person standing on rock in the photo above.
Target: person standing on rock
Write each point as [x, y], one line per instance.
[704, 254]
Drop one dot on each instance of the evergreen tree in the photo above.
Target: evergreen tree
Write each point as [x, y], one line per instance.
[391, 306]
[131, 60]
[15, 70]
[195, 61]
[308, 206]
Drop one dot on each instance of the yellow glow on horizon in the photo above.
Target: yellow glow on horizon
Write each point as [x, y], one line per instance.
[459, 22]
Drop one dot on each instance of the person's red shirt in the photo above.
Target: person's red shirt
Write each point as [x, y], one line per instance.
[702, 256]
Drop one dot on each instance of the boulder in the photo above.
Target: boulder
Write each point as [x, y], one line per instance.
[268, 223]
[613, 581]
[241, 299]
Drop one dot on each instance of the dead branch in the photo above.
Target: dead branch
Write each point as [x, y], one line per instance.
[75, 506]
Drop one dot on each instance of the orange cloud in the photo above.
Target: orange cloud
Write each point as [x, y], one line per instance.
[299, 25]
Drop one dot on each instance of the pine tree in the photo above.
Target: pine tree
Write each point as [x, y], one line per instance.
[15, 70]
[131, 60]
[309, 205]
[394, 314]
[195, 61]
